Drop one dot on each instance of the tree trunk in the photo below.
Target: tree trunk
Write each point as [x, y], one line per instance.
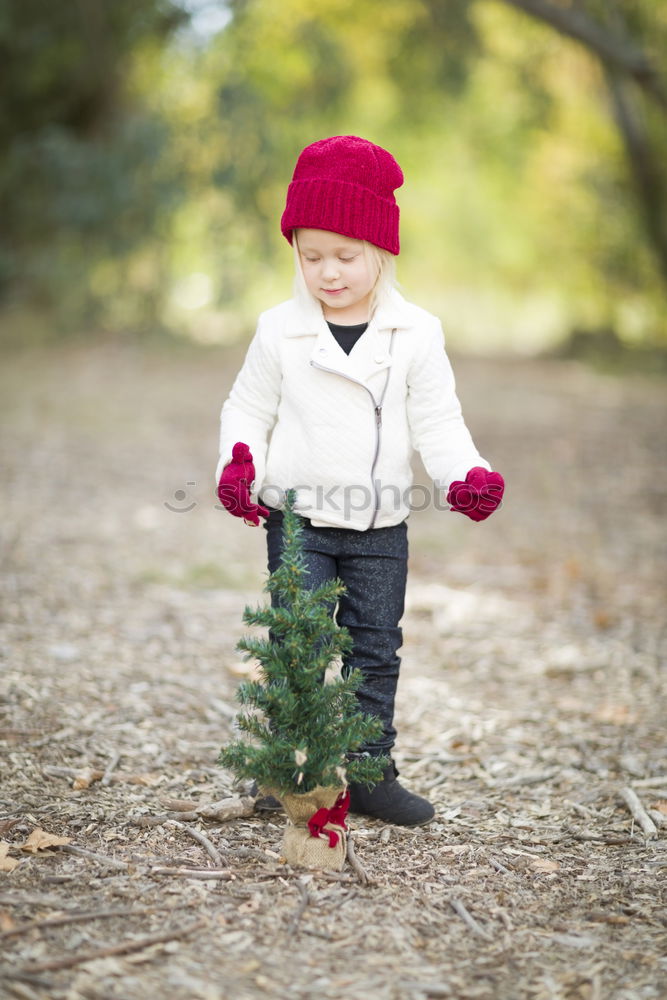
[625, 66]
[614, 48]
[650, 182]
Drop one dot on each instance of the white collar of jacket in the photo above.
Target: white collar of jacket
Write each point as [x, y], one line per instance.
[371, 353]
[307, 318]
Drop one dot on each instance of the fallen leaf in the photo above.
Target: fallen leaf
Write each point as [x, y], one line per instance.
[140, 779]
[85, 777]
[6, 825]
[40, 840]
[7, 864]
[7, 922]
[544, 865]
[660, 806]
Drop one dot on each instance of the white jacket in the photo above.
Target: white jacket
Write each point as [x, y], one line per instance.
[340, 429]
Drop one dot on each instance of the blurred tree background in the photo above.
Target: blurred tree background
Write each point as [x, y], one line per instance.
[147, 146]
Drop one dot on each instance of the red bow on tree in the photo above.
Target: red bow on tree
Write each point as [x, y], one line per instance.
[335, 815]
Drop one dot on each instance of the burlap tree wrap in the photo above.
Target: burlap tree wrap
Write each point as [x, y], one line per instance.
[300, 848]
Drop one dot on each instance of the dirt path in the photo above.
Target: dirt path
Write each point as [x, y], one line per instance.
[533, 693]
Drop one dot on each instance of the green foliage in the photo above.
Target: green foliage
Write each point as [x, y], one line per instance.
[302, 728]
[62, 63]
[144, 170]
[84, 175]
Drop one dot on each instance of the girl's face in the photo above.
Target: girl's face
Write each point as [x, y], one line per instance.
[338, 273]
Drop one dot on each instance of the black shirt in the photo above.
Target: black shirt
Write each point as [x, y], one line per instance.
[347, 336]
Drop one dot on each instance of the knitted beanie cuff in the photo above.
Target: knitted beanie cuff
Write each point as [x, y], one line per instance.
[342, 207]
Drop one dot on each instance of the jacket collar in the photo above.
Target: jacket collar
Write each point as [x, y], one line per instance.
[393, 313]
[306, 317]
[372, 353]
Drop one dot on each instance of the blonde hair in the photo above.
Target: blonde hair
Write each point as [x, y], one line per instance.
[385, 278]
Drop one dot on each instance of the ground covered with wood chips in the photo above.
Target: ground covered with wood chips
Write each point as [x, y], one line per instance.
[531, 706]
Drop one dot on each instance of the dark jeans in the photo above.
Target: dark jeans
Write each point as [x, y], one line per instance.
[373, 567]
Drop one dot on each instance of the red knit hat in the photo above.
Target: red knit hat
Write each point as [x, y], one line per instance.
[345, 185]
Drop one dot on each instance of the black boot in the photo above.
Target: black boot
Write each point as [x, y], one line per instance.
[264, 803]
[389, 801]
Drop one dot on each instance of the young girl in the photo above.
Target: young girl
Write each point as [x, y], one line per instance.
[338, 387]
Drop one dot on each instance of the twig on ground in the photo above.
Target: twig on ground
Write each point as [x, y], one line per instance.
[249, 852]
[659, 818]
[179, 805]
[287, 873]
[499, 866]
[579, 808]
[31, 899]
[126, 948]
[600, 838]
[9, 732]
[113, 763]
[317, 934]
[148, 821]
[91, 774]
[659, 781]
[529, 778]
[22, 991]
[51, 771]
[222, 875]
[212, 852]
[232, 808]
[468, 920]
[631, 800]
[81, 852]
[33, 981]
[61, 734]
[441, 757]
[439, 779]
[301, 908]
[227, 875]
[355, 863]
[76, 918]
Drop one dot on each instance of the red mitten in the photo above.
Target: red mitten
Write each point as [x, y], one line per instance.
[479, 495]
[234, 486]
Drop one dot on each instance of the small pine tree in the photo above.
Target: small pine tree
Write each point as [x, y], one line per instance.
[302, 728]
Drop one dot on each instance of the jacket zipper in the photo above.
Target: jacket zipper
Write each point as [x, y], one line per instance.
[377, 409]
[378, 436]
